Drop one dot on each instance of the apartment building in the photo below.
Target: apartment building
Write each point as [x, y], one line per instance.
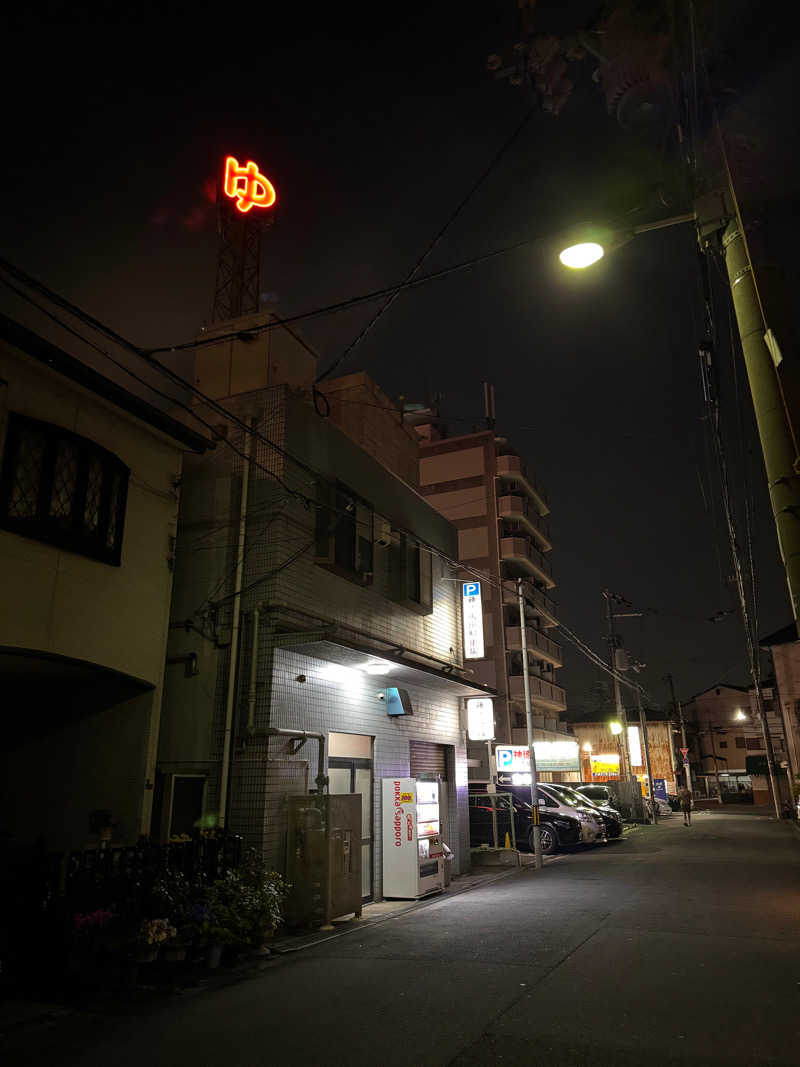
[343, 602]
[484, 487]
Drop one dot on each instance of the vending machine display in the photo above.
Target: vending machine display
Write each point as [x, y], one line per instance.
[413, 860]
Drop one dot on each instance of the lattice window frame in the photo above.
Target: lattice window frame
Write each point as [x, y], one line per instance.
[100, 538]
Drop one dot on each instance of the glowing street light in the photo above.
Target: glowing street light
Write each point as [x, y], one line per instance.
[740, 715]
[615, 727]
[582, 255]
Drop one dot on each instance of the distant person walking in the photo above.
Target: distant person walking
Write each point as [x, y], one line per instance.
[685, 798]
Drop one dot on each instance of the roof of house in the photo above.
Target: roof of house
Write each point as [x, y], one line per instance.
[45, 352]
[735, 688]
[781, 637]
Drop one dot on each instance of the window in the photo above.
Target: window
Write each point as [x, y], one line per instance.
[754, 744]
[740, 742]
[343, 532]
[410, 573]
[63, 489]
[723, 744]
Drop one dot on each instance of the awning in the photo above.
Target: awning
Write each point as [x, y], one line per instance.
[395, 666]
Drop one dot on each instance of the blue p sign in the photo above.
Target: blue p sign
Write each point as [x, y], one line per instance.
[472, 588]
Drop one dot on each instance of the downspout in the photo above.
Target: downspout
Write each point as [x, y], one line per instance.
[237, 611]
[302, 735]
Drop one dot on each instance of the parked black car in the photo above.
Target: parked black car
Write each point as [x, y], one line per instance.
[612, 819]
[600, 792]
[556, 830]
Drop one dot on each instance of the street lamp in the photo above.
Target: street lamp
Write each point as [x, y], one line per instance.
[740, 715]
[587, 244]
[718, 219]
[615, 727]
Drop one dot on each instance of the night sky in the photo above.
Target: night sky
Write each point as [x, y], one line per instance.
[372, 129]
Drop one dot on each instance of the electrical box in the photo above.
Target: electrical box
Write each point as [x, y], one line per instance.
[413, 856]
[323, 857]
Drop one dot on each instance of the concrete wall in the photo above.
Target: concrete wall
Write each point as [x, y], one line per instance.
[61, 607]
[362, 411]
[598, 735]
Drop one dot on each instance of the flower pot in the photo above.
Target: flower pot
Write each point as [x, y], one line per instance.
[214, 954]
[174, 953]
[146, 955]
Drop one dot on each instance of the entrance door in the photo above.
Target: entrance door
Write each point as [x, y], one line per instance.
[353, 774]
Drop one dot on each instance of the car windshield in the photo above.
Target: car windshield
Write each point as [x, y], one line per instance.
[579, 798]
[564, 798]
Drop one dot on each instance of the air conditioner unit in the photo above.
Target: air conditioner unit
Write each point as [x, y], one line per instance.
[383, 533]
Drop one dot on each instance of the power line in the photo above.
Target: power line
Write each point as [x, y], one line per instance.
[433, 243]
[502, 585]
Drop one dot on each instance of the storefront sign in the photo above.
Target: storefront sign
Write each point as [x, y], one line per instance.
[660, 788]
[550, 756]
[604, 763]
[480, 719]
[472, 620]
[634, 747]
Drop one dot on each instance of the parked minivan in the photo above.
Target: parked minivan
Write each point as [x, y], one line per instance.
[593, 828]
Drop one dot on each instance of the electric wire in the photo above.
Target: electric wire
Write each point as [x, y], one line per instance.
[507, 144]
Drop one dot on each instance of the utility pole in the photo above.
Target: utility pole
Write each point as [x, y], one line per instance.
[537, 837]
[643, 727]
[677, 706]
[618, 705]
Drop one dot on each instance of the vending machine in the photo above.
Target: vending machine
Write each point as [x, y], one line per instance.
[413, 857]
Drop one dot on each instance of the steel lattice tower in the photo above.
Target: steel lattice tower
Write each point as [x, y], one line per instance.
[238, 261]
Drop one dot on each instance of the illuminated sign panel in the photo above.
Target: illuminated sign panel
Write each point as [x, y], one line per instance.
[480, 719]
[605, 763]
[472, 620]
[247, 185]
[634, 747]
[550, 756]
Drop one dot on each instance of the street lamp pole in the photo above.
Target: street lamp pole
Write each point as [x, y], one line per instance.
[537, 837]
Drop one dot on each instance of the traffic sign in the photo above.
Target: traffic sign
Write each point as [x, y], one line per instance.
[684, 753]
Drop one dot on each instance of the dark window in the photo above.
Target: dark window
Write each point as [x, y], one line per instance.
[410, 573]
[343, 532]
[723, 744]
[754, 743]
[63, 489]
[740, 742]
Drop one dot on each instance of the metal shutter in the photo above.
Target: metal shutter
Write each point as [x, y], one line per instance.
[428, 758]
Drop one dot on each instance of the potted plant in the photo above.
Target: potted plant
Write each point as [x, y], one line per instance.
[152, 934]
[264, 894]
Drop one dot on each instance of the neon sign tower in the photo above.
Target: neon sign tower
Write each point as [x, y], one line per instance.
[244, 197]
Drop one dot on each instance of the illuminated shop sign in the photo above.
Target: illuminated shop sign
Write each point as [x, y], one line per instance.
[550, 756]
[480, 719]
[472, 620]
[635, 747]
[247, 185]
[605, 763]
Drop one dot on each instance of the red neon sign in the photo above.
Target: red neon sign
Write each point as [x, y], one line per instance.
[247, 185]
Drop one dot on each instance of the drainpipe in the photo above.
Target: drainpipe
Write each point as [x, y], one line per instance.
[303, 735]
[251, 696]
[237, 610]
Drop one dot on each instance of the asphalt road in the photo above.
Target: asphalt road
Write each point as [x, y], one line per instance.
[675, 946]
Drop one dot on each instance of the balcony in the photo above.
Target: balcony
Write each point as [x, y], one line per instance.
[519, 509]
[539, 646]
[541, 604]
[543, 694]
[520, 553]
[512, 468]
